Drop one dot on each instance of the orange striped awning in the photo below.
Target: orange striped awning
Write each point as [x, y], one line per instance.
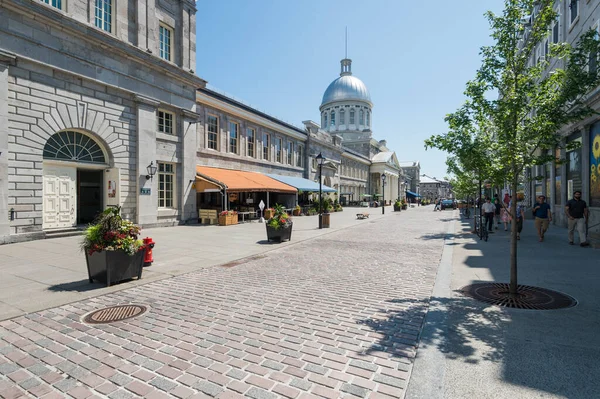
[240, 181]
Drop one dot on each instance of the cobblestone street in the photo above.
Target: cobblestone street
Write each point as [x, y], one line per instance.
[335, 316]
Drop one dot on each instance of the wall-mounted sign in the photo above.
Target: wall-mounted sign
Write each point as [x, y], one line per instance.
[145, 191]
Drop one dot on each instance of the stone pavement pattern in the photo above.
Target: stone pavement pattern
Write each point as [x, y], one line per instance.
[324, 318]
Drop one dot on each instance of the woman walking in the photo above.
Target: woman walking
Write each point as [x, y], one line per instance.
[505, 217]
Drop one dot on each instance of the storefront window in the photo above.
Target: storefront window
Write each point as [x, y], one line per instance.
[595, 165]
[574, 182]
[557, 180]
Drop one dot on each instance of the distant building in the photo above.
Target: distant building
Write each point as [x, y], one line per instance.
[431, 189]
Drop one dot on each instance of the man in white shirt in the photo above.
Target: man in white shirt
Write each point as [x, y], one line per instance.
[488, 211]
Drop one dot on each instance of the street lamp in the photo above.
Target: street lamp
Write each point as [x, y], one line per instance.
[383, 193]
[320, 159]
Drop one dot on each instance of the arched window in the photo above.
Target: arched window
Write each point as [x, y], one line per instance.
[342, 117]
[324, 119]
[361, 117]
[74, 147]
[332, 118]
[368, 118]
[351, 117]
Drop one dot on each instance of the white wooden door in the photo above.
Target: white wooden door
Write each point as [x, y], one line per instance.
[60, 197]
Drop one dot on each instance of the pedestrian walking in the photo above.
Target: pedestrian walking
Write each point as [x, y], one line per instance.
[437, 205]
[488, 211]
[577, 214]
[519, 219]
[543, 216]
[497, 211]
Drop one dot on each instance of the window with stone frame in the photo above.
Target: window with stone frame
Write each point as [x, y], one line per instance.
[333, 118]
[212, 135]
[278, 149]
[342, 117]
[556, 28]
[165, 41]
[251, 140]
[234, 136]
[594, 56]
[166, 121]
[351, 122]
[573, 10]
[361, 117]
[166, 185]
[103, 12]
[266, 147]
[54, 3]
[290, 153]
[325, 119]
[300, 157]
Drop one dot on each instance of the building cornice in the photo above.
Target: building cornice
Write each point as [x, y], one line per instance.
[225, 104]
[349, 155]
[7, 57]
[54, 17]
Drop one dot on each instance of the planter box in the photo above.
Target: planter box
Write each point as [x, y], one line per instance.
[226, 220]
[110, 267]
[397, 208]
[403, 207]
[326, 220]
[269, 213]
[284, 233]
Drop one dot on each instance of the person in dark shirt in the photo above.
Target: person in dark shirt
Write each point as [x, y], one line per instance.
[498, 206]
[543, 216]
[577, 214]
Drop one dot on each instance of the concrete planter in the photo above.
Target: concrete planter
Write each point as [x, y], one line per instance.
[281, 234]
[110, 267]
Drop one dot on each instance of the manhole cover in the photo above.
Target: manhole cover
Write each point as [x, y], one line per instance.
[527, 297]
[114, 313]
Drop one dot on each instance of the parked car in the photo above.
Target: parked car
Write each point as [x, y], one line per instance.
[448, 203]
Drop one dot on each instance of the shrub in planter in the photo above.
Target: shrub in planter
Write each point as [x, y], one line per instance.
[112, 249]
[297, 211]
[279, 226]
[397, 206]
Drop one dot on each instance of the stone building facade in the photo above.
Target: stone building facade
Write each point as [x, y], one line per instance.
[91, 95]
[558, 180]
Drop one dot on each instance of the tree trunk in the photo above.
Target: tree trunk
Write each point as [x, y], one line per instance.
[513, 237]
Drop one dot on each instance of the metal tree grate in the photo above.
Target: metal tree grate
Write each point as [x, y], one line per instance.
[114, 313]
[527, 297]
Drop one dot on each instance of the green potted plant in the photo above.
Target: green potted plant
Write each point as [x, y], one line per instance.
[326, 217]
[397, 206]
[403, 204]
[112, 249]
[279, 226]
[297, 211]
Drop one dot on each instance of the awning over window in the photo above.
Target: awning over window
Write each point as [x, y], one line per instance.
[301, 183]
[410, 193]
[208, 179]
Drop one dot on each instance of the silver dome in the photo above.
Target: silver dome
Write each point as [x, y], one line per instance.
[344, 88]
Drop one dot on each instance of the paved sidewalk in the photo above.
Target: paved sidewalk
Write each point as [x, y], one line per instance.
[335, 316]
[471, 350]
[53, 272]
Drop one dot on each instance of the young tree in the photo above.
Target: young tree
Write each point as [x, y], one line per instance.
[516, 103]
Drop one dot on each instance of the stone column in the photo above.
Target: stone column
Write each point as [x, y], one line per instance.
[6, 59]
[188, 207]
[147, 204]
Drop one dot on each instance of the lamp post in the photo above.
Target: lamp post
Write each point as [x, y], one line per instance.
[320, 160]
[383, 193]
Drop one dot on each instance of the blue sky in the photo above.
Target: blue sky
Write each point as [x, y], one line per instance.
[414, 56]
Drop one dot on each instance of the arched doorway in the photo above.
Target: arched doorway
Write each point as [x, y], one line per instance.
[74, 189]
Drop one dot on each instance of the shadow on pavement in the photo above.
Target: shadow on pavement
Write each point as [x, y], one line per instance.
[78, 286]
